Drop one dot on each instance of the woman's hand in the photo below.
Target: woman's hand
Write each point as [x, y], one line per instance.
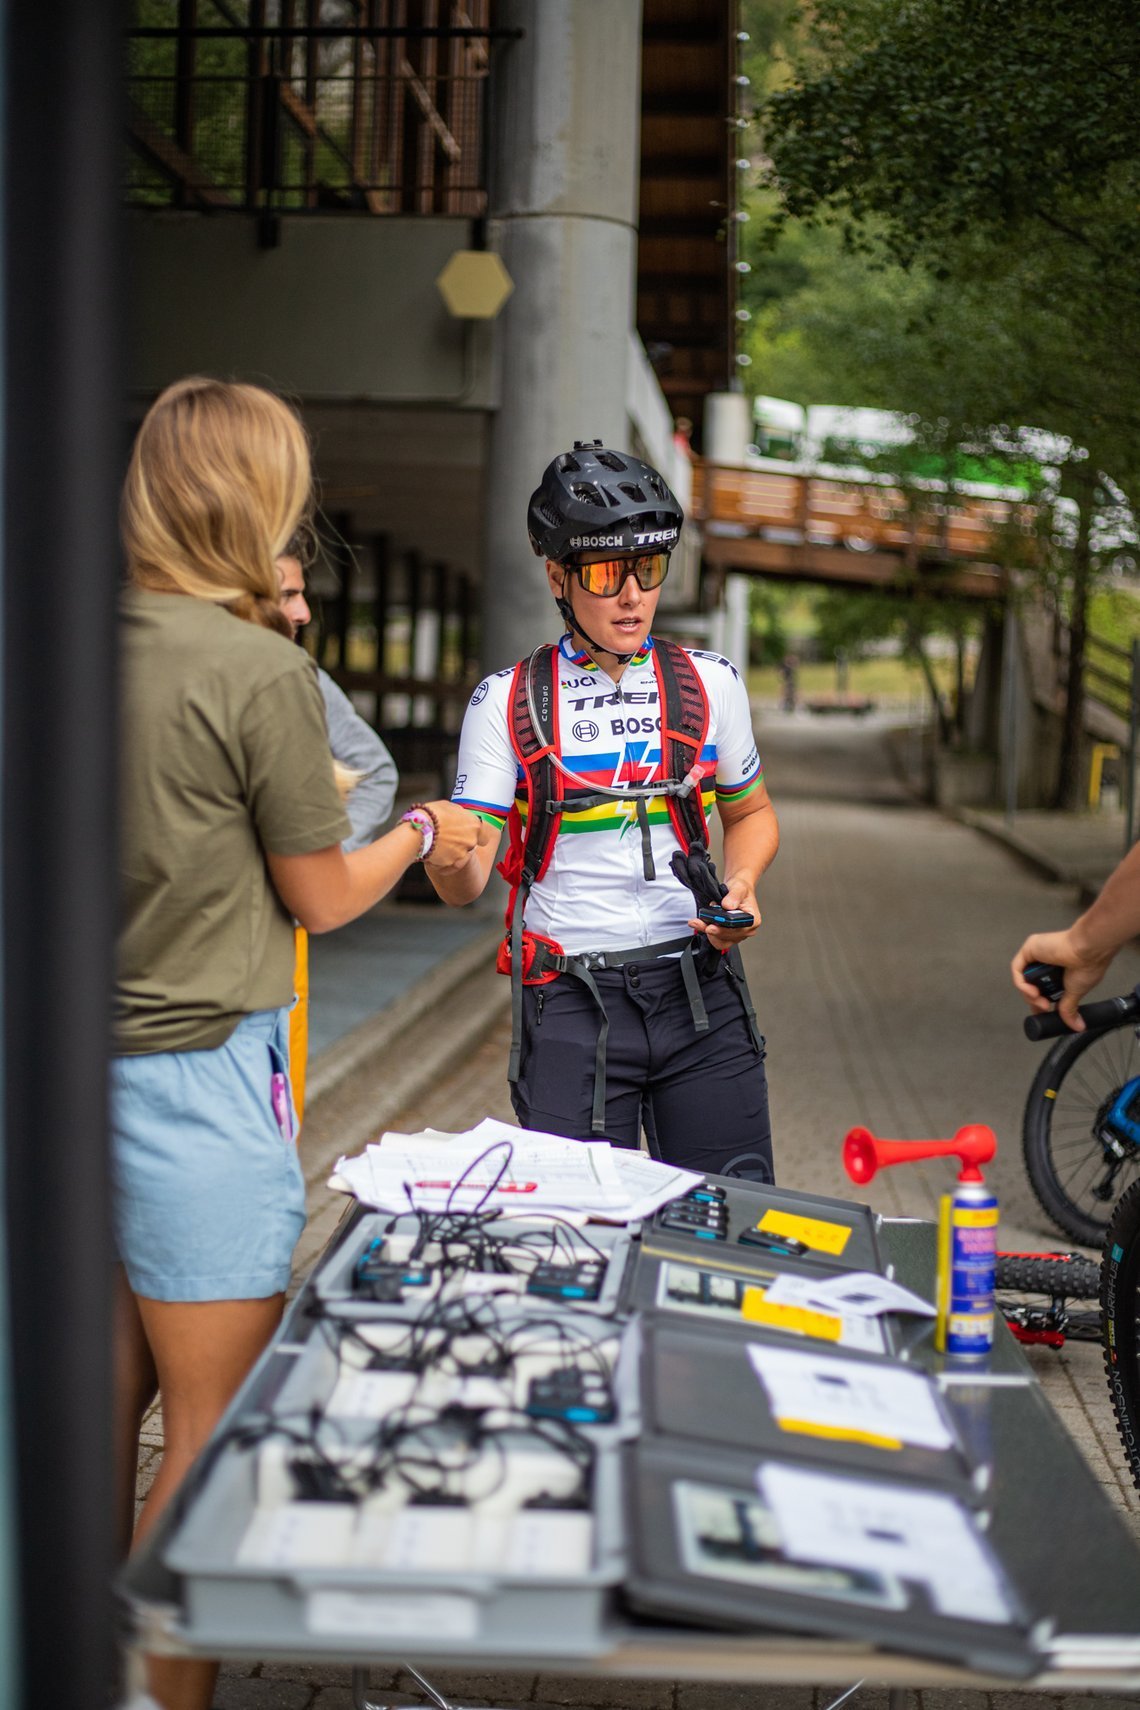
[740, 895]
[460, 833]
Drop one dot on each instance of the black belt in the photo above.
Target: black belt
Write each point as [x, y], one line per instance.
[552, 961]
[584, 964]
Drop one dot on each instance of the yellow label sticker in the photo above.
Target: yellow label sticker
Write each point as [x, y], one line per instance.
[757, 1309]
[1050, 1092]
[966, 1219]
[824, 1237]
[839, 1433]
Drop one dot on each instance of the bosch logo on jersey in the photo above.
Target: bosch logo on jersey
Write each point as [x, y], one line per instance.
[585, 730]
[587, 542]
[658, 537]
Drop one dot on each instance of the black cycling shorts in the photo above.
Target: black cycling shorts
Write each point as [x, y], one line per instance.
[702, 1098]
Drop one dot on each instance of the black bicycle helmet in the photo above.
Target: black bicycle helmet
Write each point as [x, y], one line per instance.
[592, 500]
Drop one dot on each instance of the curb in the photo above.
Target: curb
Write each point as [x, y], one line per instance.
[376, 1033]
[1030, 853]
[359, 1085]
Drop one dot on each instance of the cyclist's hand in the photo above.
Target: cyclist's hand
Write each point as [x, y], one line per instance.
[460, 831]
[1082, 973]
[742, 895]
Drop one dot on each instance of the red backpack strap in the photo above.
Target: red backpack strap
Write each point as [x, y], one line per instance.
[535, 677]
[530, 850]
[684, 729]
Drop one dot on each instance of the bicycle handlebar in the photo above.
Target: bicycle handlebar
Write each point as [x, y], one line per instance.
[1094, 1015]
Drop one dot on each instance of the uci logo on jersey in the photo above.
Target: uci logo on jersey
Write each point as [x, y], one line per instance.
[657, 537]
[585, 730]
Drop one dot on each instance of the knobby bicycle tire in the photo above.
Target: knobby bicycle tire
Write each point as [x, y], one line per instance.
[1068, 1276]
[1120, 1306]
[1048, 1150]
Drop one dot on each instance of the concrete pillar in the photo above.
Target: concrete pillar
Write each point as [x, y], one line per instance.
[728, 429]
[564, 190]
[728, 426]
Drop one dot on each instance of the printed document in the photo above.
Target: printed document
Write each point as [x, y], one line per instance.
[918, 1535]
[828, 1396]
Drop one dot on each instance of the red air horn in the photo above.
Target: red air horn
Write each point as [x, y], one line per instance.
[863, 1154]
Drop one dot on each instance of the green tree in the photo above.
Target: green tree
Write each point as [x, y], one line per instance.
[959, 184]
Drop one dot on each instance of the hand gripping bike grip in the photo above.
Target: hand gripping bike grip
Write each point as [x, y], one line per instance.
[1094, 1016]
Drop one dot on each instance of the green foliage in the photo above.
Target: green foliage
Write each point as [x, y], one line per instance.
[973, 167]
[768, 609]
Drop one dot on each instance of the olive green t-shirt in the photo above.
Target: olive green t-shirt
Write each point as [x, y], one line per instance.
[225, 756]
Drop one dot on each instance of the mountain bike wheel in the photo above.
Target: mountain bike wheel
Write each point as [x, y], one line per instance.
[1078, 1163]
[1120, 1305]
[1068, 1275]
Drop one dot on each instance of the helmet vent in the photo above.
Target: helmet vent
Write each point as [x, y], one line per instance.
[568, 465]
[591, 494]
[611, 460]
[633, 491]
[657, 486]
[549, 514]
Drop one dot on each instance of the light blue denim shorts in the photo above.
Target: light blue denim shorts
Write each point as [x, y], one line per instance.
[209, 1197]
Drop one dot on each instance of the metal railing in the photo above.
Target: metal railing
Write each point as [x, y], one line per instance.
[385, 114]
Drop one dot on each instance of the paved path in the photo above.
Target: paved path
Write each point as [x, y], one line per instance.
[880, 978]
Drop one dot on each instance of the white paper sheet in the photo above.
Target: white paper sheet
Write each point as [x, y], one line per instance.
[918, 1535]
[860, 1292]
[542, 1173]
[837, 1395]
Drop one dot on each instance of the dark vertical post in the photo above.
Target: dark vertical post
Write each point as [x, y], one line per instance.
[254, 116]
[414, 570]
[62, 124]
[185, 53]
[312, 65]
[381, 599]
[342, 557]
[466, 635]
[439, 602]
[407, 48]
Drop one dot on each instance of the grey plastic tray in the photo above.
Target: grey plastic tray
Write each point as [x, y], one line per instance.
[328, 1610]
[312, 1379]
[333, 1282]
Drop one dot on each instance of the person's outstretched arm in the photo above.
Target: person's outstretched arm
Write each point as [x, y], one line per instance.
[328, 888]
[1087, 948]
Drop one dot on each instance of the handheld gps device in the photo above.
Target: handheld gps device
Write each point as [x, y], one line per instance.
[713, 915]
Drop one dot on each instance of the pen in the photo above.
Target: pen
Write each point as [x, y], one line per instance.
[503, 1187]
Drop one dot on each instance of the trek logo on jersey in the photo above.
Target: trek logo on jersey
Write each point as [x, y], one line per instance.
[657, 537]
[587, 542]
[586, 730]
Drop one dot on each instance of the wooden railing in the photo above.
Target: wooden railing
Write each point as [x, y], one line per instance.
[863, 513]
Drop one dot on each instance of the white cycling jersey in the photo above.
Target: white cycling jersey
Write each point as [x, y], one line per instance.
[595, 894]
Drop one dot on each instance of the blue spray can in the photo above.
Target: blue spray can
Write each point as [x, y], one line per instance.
[972, 1266]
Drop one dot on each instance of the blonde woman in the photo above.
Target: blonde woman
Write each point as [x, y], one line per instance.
[231, 829]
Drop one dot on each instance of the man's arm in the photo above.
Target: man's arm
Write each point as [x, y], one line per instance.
[751, 839]
[1087, 948]
[356, 745]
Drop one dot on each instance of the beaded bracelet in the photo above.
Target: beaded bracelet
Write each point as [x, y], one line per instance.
[425, 822]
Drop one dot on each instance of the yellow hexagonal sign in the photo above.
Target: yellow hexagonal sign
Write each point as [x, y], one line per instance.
[475, 284]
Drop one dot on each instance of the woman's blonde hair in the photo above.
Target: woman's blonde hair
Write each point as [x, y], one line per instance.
[219, 480]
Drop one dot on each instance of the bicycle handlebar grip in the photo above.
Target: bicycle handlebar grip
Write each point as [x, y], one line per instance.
[1094, 1016]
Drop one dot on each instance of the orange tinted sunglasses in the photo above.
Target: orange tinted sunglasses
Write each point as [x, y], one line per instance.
[607, 576]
